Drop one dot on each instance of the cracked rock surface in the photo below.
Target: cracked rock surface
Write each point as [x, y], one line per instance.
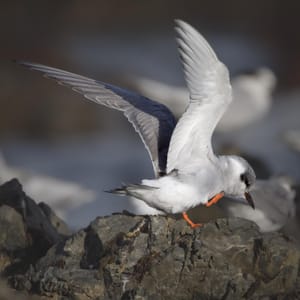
[137, 257]
[126, 257]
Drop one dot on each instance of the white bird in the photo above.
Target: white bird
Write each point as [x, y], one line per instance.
[275, 208]
[187, 171]
[62, 195]
[251, 93]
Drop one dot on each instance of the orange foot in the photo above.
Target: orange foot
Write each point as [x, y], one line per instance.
[215, 199]
[190, 222]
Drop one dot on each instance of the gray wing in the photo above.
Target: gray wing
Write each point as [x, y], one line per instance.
[153, 121]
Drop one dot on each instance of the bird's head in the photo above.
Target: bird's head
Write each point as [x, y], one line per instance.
[239, 177]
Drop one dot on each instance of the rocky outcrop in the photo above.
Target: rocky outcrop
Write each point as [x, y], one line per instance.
[26, 231]
[157, 257]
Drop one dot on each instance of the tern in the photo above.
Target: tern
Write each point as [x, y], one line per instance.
[187, 171]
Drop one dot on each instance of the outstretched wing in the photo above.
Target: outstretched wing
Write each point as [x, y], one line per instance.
[210, 94]
[153, 121]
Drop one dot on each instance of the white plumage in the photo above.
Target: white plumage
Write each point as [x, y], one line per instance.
[187, 171]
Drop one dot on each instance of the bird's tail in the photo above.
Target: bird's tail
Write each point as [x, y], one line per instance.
[134, 190]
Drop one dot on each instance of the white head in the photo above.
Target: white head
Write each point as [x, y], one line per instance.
[238, 177]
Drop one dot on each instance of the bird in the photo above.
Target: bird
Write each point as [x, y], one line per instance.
[187, 171]
[251, 90]
[275, 208]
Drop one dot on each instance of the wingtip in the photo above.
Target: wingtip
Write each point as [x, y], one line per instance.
[22, 63]
[183, 25]
[190, 36]
[177, 21]
[18, 61]
[179, 24]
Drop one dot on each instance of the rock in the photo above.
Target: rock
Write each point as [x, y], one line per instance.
[139, 257]
[135, 257]
[13, 231]
[60, 226]
[12, 236]
[292, 228]
[26, 232]
[7, 293]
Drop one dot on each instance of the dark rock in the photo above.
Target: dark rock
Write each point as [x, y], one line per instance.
[26, 232]
[293, 226]
[7, 293]
[13, 231]
[60, 226]
[12, 236]
[134, 257]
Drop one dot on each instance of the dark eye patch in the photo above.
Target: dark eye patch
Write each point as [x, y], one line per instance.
[245, 179]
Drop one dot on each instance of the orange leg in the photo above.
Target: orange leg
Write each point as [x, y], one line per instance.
[215, 199]
[190, 222]
[212, 201]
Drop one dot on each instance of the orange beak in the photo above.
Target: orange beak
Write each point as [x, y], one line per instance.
[249, 200]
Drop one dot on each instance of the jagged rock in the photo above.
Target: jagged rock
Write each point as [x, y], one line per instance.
[134, 257]
[7, 293]
[26, 232]
[12, 235]
[60, 226]
[137, 257]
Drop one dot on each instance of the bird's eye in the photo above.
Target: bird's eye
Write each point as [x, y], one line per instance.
[242, 177]
[245, 179]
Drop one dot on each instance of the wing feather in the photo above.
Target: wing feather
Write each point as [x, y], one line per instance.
[153, 121]
[210, 94]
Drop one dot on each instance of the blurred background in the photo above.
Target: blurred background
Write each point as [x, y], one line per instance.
[49, 130]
